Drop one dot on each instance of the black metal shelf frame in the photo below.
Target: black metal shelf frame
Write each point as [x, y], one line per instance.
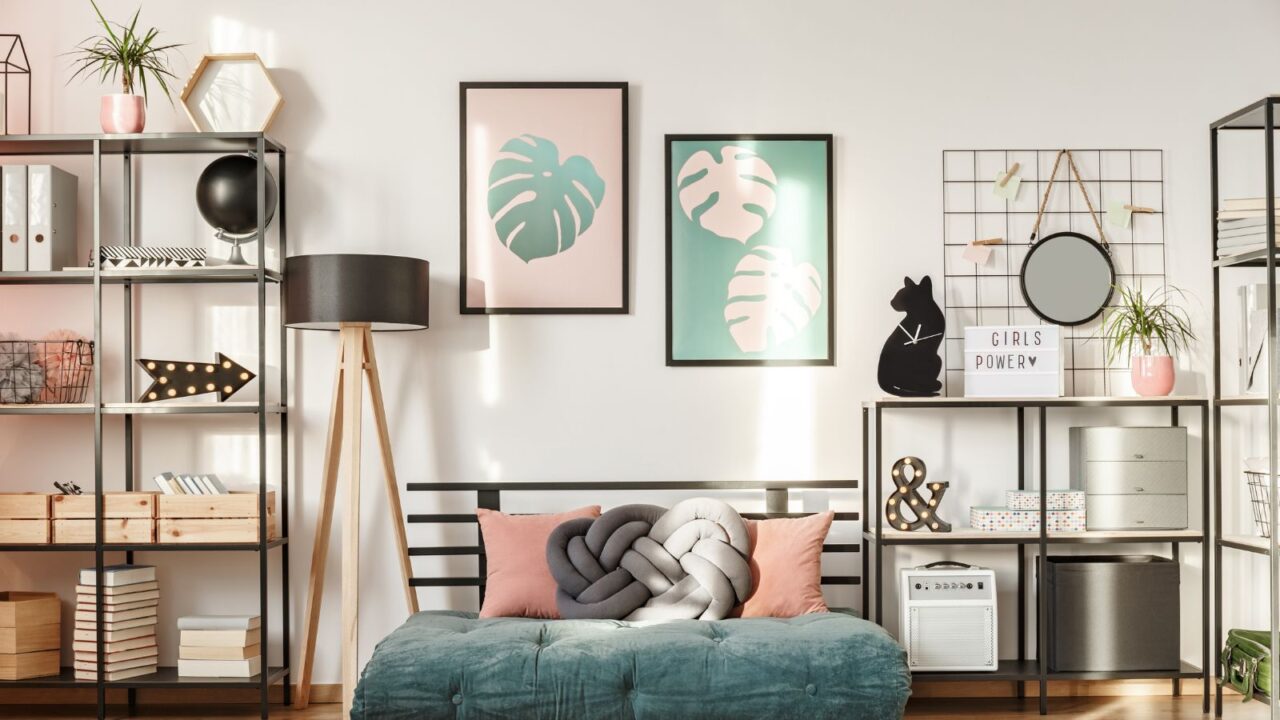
[1022, 669]
[1259, 115]
[127, 147]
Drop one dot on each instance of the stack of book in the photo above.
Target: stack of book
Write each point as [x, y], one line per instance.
[220, 646]
[1242, 225]
[130, 596]
[171, 484]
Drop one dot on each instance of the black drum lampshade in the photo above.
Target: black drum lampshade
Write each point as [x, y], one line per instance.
[323, 292]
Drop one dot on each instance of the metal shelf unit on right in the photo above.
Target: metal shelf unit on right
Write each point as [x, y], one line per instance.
[1259, 116]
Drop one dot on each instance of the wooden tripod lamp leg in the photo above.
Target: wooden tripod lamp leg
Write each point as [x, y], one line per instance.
[320, 549]
[352, 399]
[389, 472]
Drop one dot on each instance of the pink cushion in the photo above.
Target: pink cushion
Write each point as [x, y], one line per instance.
[786, 566]
[519, 583]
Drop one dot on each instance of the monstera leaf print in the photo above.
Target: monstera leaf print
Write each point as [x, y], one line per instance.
[771, 299]
[732, 196]
[540, 206]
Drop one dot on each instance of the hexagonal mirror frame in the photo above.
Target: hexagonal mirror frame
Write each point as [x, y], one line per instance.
[231, 92]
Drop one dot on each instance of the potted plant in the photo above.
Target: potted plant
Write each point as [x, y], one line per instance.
[1149, 328]
[126, 56]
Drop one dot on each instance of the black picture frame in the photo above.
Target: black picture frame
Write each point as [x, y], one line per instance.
[829, 139]
[624, 307]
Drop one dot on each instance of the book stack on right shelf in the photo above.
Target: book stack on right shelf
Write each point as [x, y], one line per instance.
[220, 646]
[1242, 226]
[130, 596]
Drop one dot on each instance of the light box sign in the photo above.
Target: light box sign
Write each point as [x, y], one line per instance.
[1013, 361]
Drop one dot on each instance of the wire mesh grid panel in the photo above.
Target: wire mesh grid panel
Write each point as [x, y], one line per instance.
[990, 293]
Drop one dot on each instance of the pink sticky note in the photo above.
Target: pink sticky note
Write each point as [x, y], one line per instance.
[977, 254]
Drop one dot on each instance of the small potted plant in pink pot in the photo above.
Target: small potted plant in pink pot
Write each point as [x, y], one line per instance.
[127, 56]
[1150, 329]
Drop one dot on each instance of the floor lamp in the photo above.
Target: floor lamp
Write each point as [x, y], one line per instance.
[355, 295]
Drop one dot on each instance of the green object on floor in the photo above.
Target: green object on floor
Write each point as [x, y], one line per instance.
[453, 665]
[1246, 662]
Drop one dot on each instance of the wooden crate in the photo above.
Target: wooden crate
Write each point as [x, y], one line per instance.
[114, 505]
[29, 608]
[30, 638]
[231, 505]
[211, 530]
[21, 666]
[24, 506]
[24, 532]
[29, 622]
[114, 530]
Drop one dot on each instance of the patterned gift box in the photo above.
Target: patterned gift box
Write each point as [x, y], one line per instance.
[998, 519]
[1057, 500]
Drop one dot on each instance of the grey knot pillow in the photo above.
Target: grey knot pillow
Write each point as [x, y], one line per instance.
[644, 562]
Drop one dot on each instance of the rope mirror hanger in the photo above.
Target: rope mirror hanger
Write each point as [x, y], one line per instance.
[1067, 277]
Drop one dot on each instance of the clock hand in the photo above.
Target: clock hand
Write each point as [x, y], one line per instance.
[926, 337]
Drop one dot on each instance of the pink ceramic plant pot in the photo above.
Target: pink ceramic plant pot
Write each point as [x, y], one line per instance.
[1152, 375]
[122, 113]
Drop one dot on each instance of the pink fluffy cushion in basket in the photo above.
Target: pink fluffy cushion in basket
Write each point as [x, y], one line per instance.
[519, 583]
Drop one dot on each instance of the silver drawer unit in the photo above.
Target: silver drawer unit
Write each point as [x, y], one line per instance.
[1136, 512]
[1134, 478]
[1162, 477]
[1140, 444]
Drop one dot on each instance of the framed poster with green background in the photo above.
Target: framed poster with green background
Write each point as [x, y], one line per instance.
[750, 248]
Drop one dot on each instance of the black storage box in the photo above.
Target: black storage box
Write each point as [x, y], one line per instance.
[1113, 613]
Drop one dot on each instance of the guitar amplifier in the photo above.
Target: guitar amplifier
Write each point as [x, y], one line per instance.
[948, 619]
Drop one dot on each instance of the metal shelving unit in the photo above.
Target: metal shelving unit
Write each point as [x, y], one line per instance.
[1022, 669]
[259, 278]
[1259, 116]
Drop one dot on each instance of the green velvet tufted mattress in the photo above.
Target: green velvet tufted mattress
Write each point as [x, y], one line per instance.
[453, 665]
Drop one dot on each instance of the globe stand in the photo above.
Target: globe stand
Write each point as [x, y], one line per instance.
[236, 256]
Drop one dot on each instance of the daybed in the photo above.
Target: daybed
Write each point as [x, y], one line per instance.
[453, 665]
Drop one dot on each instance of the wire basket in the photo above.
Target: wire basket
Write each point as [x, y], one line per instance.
[1260, 500]
[36, 372]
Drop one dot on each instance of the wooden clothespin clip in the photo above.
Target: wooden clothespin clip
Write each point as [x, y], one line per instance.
[1004, 180]
[1139, 209]
[979, 251]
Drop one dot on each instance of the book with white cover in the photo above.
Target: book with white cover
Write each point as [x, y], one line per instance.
[147, 651]
[118, 675]
[111, 616]
[117, 575]
[1243, 214]
[219, 638]
[91, 635]
[83, 602]
[119, 625]
[188, 652]
[112, 601]
[220, 668]
[118, 646]
[219, 622]
[1252, 203]
[148, 660]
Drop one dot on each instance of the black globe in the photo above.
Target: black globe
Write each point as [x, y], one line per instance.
[226, 194]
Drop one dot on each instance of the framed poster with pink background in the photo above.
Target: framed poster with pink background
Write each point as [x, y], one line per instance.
[544, 198]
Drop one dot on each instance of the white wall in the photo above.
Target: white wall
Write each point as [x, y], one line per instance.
[371, 123]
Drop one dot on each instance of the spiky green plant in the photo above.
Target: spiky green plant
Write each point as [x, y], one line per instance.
[124, 55]
[1145, 322]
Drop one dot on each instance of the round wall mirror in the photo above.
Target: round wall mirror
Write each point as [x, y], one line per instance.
[1067, 278]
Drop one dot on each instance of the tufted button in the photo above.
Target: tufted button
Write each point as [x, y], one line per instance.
[457, 699]
[811, 689]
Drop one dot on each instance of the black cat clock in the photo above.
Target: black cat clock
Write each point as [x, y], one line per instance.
[909, 361]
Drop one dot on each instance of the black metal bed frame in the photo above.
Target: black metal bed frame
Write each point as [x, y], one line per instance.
[489, 496]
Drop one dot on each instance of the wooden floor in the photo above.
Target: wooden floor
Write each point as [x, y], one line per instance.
[1096, 708]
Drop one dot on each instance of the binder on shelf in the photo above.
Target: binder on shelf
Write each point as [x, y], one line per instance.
[13, 218]
[51, 218]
